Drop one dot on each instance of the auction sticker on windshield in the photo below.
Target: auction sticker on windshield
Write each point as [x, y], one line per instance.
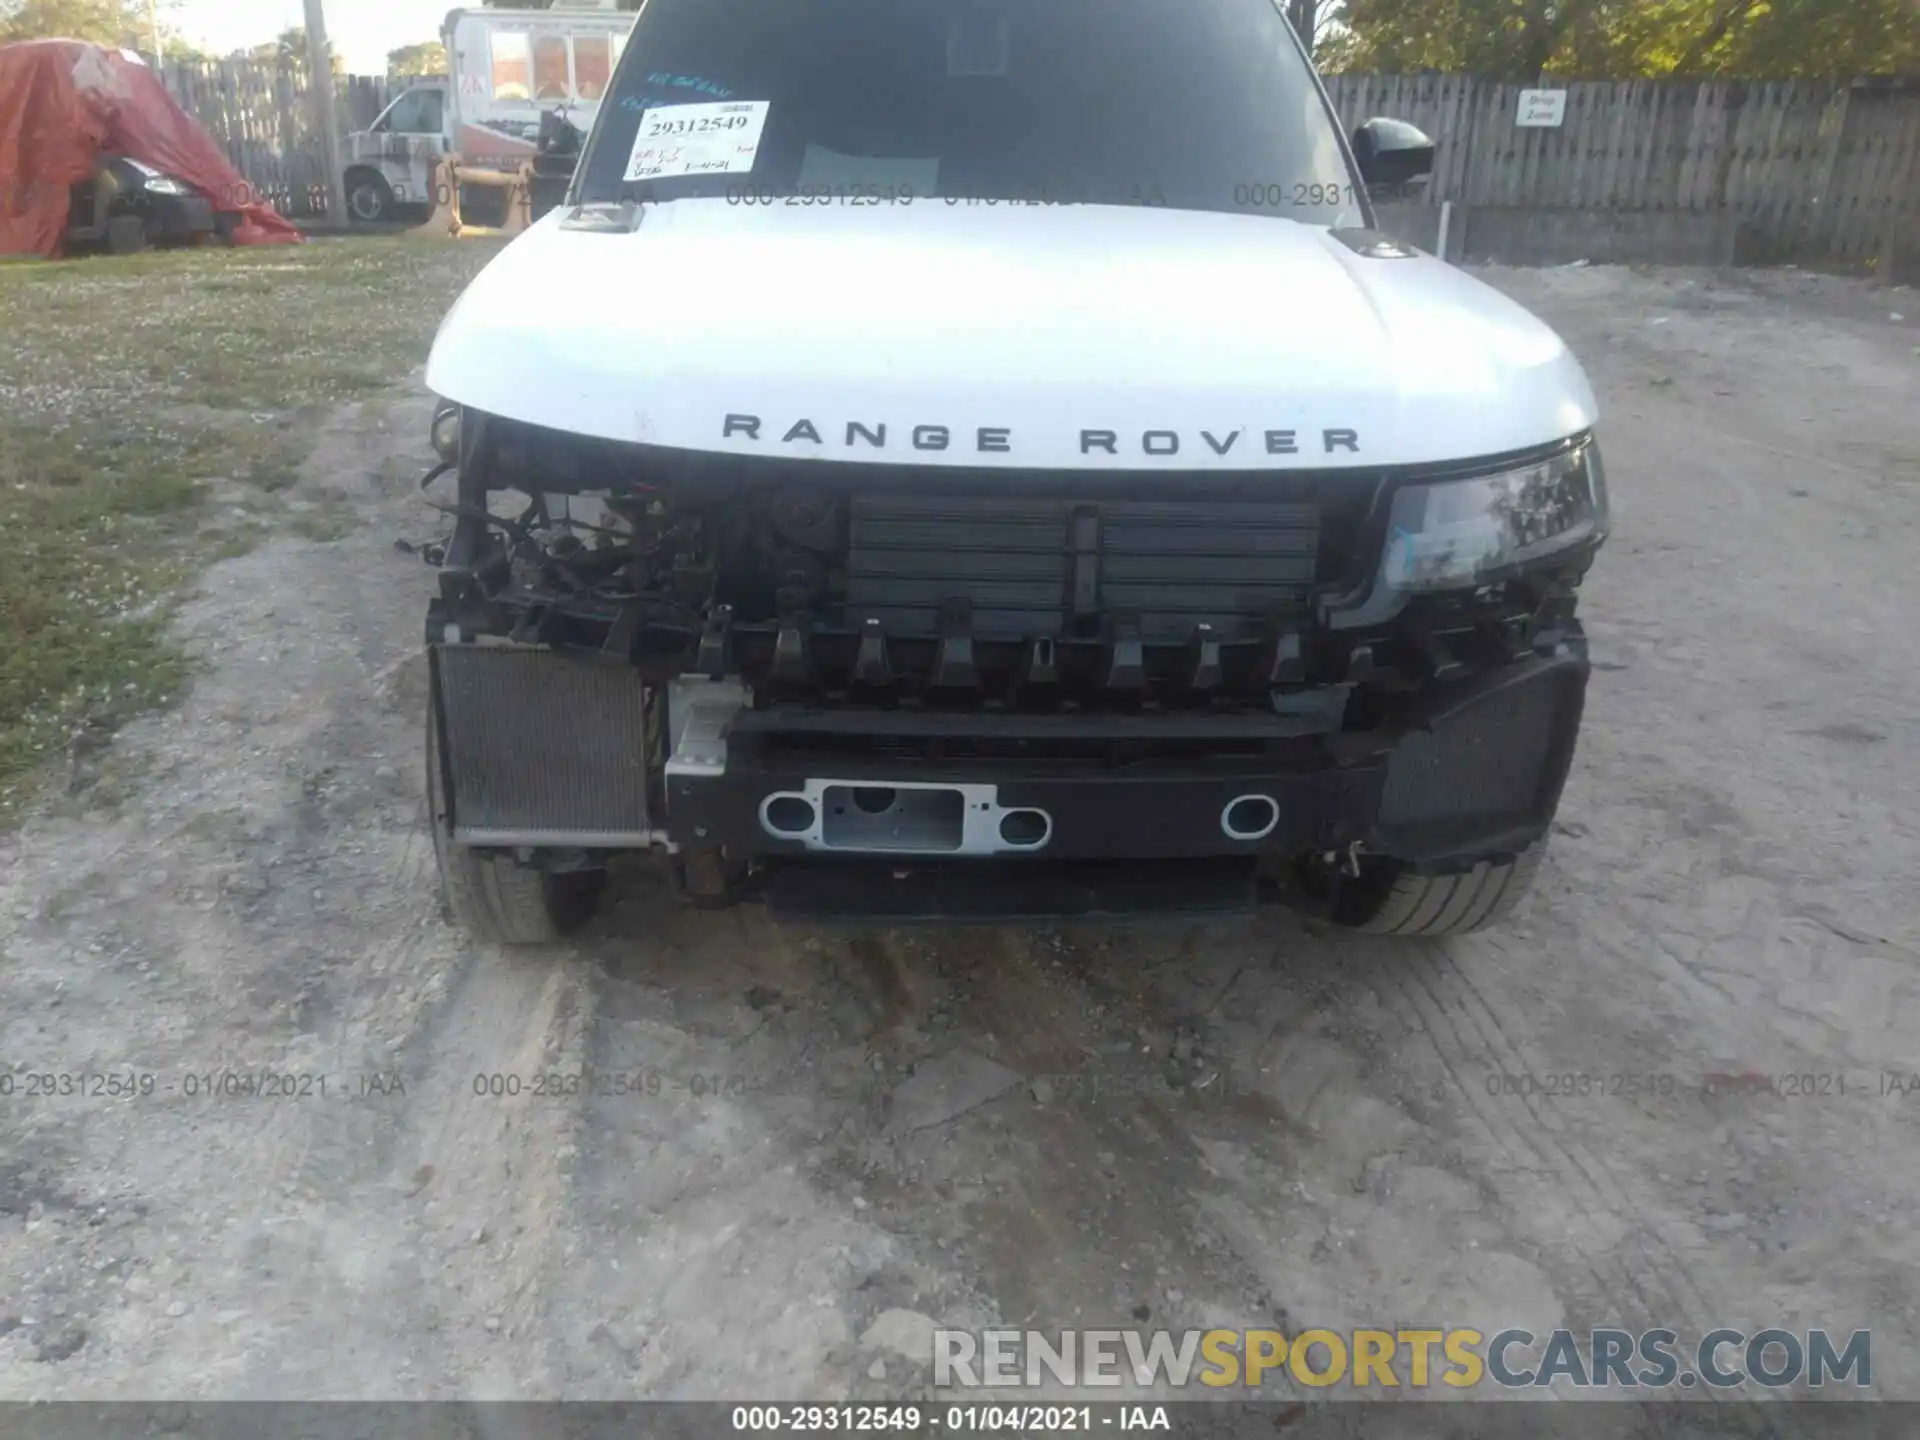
[714, 138]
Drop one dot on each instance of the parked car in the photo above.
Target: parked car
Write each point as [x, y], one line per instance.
[96, 154]
[987, 463]
[128, 206]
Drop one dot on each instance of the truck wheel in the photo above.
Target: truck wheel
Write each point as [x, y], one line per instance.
[1390, 898]
[126, 235]
[494, 896]
[369, 197]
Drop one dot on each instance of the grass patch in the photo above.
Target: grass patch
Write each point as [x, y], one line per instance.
[130, 389]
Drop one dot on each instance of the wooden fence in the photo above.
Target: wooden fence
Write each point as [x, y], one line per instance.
[1816, 172]
[262, 114]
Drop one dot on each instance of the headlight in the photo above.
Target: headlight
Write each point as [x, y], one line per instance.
[446, 432]
[162, 185]
[1463, 533]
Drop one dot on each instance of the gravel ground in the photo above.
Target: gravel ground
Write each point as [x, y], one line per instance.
[1236, 1125]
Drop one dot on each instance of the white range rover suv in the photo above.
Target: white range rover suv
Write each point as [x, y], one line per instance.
[966, 460]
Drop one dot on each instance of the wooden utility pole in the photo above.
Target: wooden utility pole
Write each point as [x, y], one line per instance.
[1305, 16]
[320, 71]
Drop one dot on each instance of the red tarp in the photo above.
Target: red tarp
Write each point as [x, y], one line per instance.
[64, 104]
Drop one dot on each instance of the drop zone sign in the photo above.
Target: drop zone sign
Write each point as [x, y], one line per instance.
[1542, 108]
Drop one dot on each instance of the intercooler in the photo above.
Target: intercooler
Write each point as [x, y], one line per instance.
[542, 749]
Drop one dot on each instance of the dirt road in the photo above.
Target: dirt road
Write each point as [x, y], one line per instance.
[830, 1138]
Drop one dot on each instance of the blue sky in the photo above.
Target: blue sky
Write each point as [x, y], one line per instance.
[362, 30]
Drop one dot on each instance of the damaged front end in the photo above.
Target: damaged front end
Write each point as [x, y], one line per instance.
[896, 692]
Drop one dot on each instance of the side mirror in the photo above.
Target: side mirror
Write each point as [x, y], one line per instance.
[1392, 152]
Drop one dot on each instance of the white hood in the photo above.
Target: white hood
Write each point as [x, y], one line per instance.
[981, 335]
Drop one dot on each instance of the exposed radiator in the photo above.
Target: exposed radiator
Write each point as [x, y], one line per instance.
[541, 748]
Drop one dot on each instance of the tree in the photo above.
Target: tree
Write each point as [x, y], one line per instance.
[105, 22]
[1815, 37]
[123, 23]
[1501, 39]
[409, 61]
[1522, 39]
[175, 47]
[290, 48]
[1316, 22]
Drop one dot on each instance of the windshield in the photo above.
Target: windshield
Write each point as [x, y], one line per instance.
[1189, 104]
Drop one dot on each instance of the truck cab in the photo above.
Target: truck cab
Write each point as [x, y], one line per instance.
[391, 163]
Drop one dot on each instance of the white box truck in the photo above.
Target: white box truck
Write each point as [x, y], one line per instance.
[507, 69]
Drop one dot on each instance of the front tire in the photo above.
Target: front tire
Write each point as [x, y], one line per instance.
[127, 235]
[494, 896]
[1389, 897]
